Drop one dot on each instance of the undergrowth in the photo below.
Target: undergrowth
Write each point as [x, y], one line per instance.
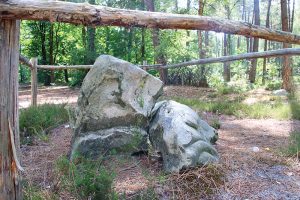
[276, 110]
[85, 179]
[36, 120]
[293, 148]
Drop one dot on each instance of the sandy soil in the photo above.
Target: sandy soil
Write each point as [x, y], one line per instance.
[52, 94]
[249, 151]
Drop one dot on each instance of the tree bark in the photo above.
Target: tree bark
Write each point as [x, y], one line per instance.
[252, 72]
[10, 187]
[203, 80]
[226, 66]
[286, 68]
[91, 32]
[51, 53]
[159, 57]
[85, 14]
[266, 43]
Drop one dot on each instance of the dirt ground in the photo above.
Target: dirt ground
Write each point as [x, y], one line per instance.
[53, 95]
[249, 150]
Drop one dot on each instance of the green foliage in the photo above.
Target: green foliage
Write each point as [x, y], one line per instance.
[215, 123]
[85, 179]
[274, 85]
[278, 110]
[293, 148]
[31, 192]
[36, 119]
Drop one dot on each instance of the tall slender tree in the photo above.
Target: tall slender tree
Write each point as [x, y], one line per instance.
[252, 72]
[286, 68]
[159, 56]
[266, 43]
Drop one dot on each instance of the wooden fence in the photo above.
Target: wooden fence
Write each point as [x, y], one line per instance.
[33, 64]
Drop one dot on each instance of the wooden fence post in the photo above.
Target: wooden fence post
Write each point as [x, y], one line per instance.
[34, 82]
[145, 63]
[10, 187]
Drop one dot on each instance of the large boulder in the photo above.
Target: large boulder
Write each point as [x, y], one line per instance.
[183, 139]
[114, 95]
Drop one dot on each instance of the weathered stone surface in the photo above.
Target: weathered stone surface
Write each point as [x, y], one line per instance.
[281, 92]
[183, 139]
[117, 139]
[114, 94]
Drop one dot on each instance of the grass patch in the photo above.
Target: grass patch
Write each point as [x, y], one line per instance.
[293, 149]
[276, 110]
[31, 192]
[85, 179]
[36, 120]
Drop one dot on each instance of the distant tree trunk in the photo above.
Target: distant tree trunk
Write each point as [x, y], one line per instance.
[91, 32]
[203, 79]
[159, 57]
[286, 68]
[252, 72]
[176, 6]
[129, 44]
[43, 31]
[143, 49]
[292, 18]
[226, 66]
[188, 8]
[51, 53]
[266, 43]
[107, 40]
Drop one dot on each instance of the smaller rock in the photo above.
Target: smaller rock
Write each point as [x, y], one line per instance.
[183, 139]
[255, 149]
[281, 92]
[124, 140]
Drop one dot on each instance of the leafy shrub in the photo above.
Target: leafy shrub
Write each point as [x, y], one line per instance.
[85, 179]
[36, 119]
[77, 78]
[274, 85]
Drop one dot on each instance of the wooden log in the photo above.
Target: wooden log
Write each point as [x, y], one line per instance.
[25, 61]
[86, 14]
[34, 81]
[10, 187]
[223, 59]
[59, 67]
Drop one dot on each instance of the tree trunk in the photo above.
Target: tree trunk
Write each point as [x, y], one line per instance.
[143, 49]
[91, 32]
[266, 43]
[226, 66]
[203, 80]
[159, 57]
[252, 72]
[292, 18]
[286, 68]
[51, 53]
[10, 187]
[188, 8]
